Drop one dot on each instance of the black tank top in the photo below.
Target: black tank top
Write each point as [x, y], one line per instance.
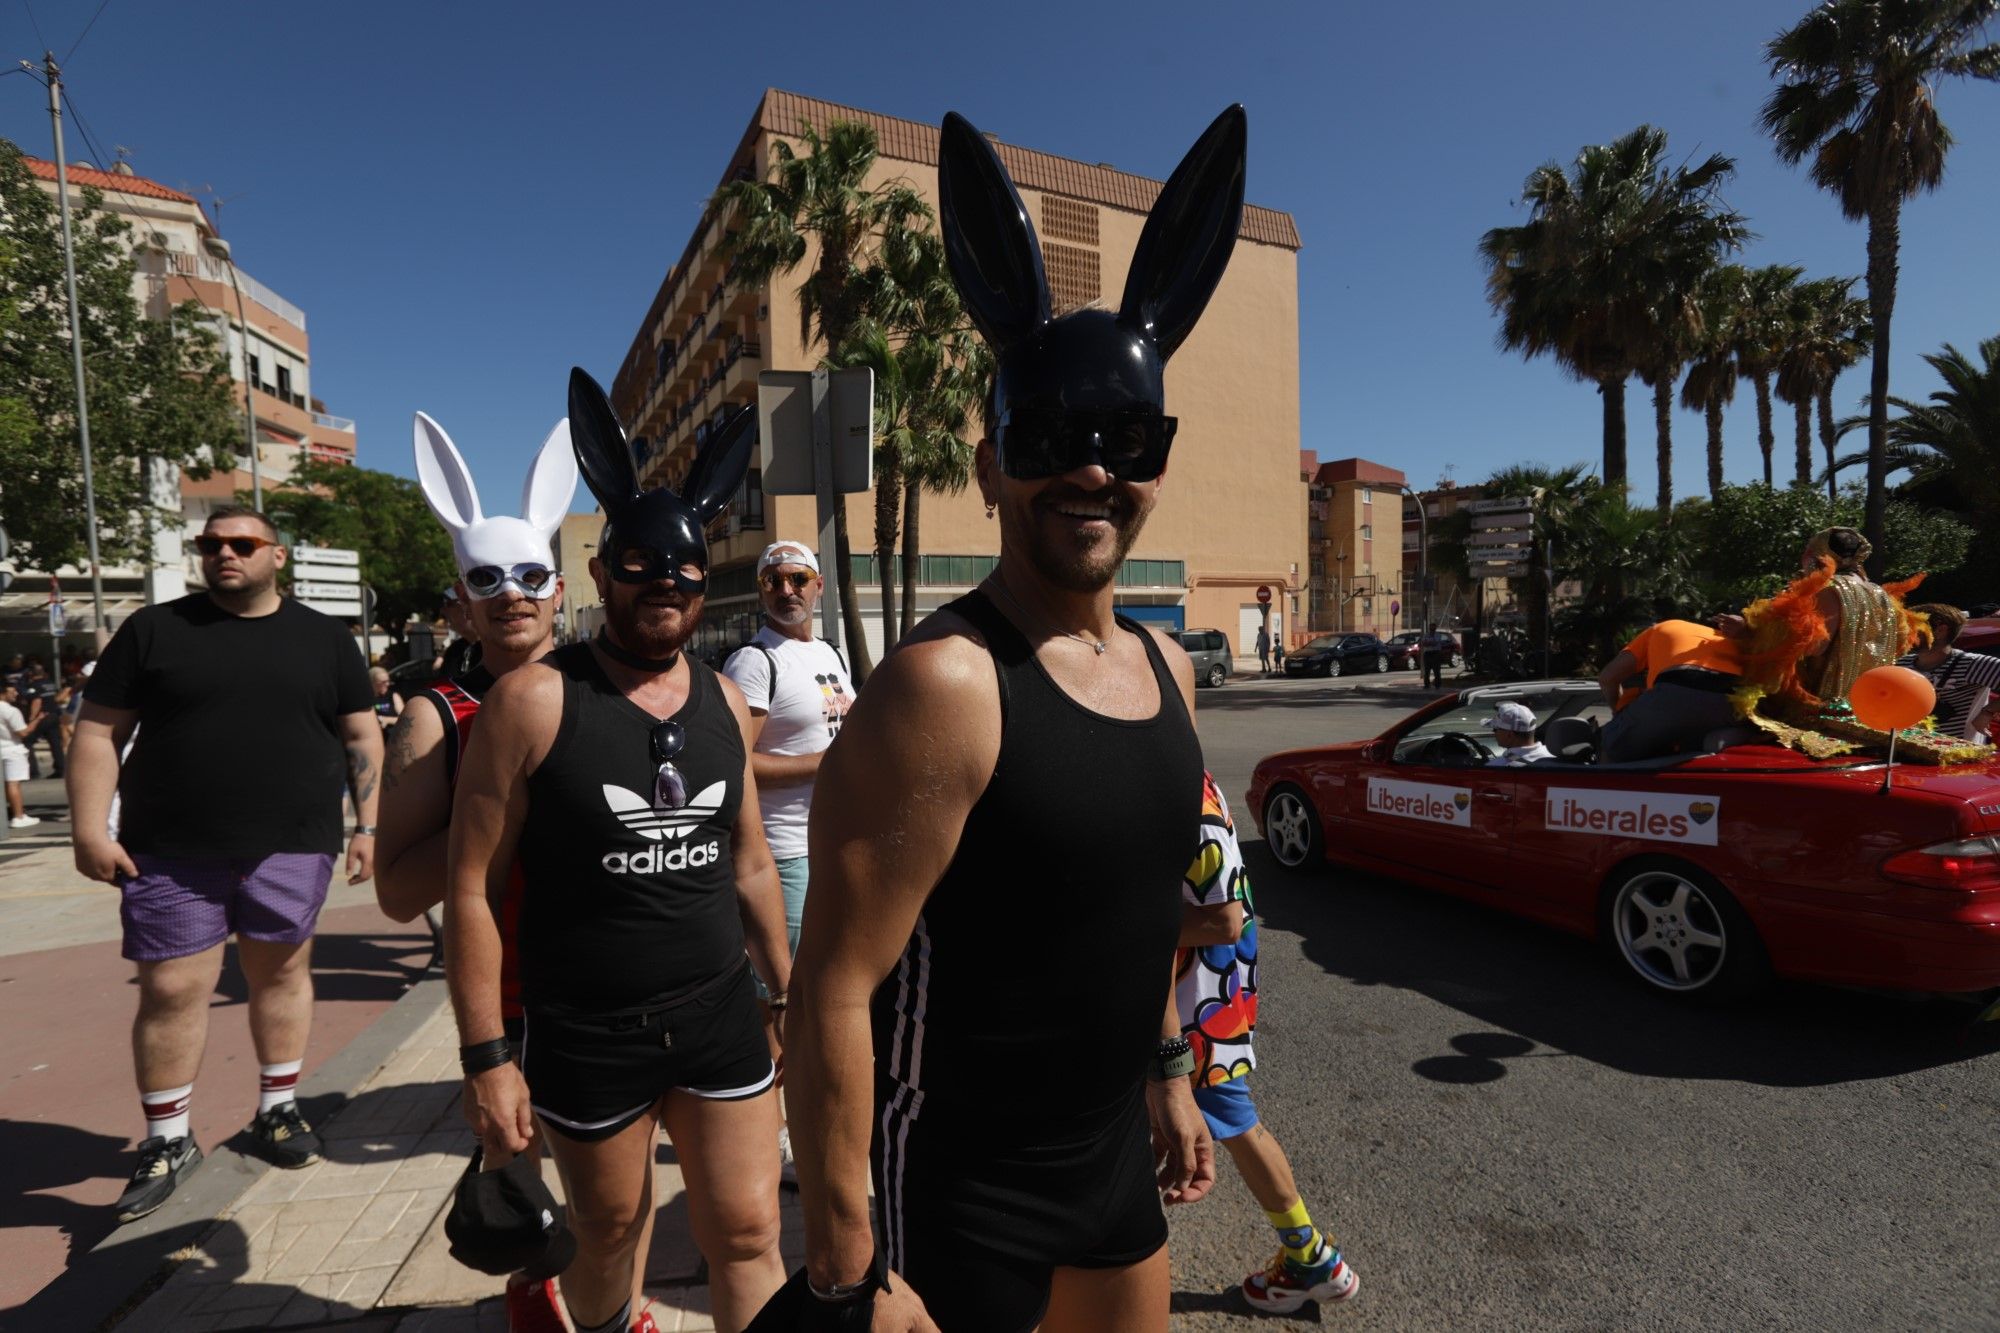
[1029, 997]
[628, 906]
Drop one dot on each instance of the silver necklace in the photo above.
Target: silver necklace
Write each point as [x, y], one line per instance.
[1099, 646]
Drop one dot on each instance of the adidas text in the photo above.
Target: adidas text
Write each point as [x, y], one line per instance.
[656, 858]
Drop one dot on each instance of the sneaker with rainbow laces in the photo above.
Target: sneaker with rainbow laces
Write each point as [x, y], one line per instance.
[1286, 1284]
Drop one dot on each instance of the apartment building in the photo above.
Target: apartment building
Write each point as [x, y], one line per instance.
[1228, 520]
[179, 258]
[1354, 564]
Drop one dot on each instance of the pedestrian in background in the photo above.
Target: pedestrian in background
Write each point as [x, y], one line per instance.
[14, 755]
[252, 712]
[38, 695]
[1264, 648]
[1433, 653]
[387, 706]
[798, 692]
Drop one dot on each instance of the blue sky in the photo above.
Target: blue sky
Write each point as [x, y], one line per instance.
[467, 199]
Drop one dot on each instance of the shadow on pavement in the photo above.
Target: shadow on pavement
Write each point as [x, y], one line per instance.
[354, 968]
[40, 1156]
[1552, 994]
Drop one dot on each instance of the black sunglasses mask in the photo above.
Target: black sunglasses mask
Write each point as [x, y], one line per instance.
[1035, 443]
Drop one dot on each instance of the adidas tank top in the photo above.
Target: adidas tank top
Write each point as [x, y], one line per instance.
[629, 904]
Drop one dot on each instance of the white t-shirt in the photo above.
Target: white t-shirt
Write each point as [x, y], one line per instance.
[811, 700]
[1518, 756]
[12, 724]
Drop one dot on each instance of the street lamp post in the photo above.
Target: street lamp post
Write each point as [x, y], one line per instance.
[219, 248]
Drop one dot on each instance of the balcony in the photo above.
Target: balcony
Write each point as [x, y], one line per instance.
[325, 422]
[175, 263]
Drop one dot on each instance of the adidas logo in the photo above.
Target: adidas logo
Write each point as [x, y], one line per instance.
[654, 859]
[639, 815]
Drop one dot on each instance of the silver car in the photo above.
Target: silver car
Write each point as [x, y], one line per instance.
[1210, 650]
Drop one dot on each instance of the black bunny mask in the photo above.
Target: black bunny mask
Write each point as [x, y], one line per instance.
[670, 528]
[1089, 362]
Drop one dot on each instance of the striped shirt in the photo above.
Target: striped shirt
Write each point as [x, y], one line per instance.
[1963, 682]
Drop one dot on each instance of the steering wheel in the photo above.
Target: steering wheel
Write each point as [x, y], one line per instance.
[1449, 746]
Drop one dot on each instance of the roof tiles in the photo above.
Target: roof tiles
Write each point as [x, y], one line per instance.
[106, 180]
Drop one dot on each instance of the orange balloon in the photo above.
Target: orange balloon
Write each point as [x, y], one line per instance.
[1890, 698]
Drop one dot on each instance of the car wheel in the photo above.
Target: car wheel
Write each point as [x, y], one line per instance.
[1679, 931]
[1216, 675]
[1381, 663]
[1291, 829]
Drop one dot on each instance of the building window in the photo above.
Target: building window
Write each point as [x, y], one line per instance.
[1367, 532]
[1368, 495]
[256, 374]
[284, 382]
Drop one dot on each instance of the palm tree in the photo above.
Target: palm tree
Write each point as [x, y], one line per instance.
[1608, 259]
[1828, 332]
[1710, 385]
[823, 197]
[931, 370]
[1762, 332]
[1953, 440]
[1854, 93]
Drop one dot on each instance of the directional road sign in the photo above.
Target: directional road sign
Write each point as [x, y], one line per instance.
[328, 579]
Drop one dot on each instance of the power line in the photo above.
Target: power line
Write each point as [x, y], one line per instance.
[86, 29]
[37, 24]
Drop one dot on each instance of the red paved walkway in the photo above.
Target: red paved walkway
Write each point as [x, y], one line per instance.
[68, 1113]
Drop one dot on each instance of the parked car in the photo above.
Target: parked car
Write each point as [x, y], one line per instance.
[1699, 873]
[1209, 648]
[1980, 635]
[1332, 654]
[1406, 653]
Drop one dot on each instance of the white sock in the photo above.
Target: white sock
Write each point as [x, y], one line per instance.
[167, 1112]
[277, 1084]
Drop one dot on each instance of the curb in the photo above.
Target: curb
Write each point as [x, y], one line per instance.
[103, 1285]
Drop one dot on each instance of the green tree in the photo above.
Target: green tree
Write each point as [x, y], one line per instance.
[1826, 331]
[821, 203]
[1855, 94]
[1950, 444]
[1710, 384]
[1602, 276]
[406, 555]
[157, 390]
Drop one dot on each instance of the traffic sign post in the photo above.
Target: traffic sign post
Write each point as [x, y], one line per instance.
[1264, 594]
[328, 579]
[816, 436]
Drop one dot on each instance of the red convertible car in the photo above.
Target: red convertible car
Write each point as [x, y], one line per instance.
[1702, 873]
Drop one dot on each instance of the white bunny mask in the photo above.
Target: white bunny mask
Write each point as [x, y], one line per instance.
[499, 541]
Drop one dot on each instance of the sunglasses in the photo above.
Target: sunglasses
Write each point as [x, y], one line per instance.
[799, 579]
[1035, 443]
[210, 545]
[670, 791]
[531, 578]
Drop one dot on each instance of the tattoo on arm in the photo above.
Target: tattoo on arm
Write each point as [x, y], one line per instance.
[402, 747]
[360, 773]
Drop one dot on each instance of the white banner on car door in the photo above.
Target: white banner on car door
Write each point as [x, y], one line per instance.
[1420, 800]
[1634, 814]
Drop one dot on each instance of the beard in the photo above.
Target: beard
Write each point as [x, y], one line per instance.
[1069, 561]
[798, 615]
[649, 620]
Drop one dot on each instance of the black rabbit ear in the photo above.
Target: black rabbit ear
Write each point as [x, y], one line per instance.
[995, 259]
[720, 467]
[1189, 236]
[601, 451]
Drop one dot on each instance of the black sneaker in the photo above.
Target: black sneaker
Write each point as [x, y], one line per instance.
[283, 1137]
[163, 1163]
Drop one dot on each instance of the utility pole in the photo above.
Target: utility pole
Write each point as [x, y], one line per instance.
[219, 248]
[53, 78]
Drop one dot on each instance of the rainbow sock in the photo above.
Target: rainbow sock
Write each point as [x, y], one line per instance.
[1304, 1244]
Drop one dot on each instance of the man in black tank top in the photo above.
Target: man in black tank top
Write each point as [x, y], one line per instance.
[1025, 747]
[617, 772]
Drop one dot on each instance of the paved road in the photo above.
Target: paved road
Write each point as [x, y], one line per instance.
[1507, 1134]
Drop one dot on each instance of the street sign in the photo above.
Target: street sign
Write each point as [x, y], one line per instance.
[58, 620]
[328, 592]
[1500, 569]
[1264, 594]
[1521, 537]
[785, 430]
[329, 574]
[325, 555]
[1395, 608]
[1499, 506]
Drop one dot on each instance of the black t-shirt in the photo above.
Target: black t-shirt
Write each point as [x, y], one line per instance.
[239, 749]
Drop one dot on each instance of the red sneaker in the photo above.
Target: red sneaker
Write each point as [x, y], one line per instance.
[532, 1307]
[1285, 1286]
[644, 1323]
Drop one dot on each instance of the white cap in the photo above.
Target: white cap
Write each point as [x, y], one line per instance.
[787, 553]
[1512, 717]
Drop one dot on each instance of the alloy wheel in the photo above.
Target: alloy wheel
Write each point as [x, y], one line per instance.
[1670, 931]
[1288, 829]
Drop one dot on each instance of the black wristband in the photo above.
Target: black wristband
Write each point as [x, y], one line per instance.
[1173, 1058]
[484, 1055]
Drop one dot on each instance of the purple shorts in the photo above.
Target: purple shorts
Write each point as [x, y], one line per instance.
[178, 906]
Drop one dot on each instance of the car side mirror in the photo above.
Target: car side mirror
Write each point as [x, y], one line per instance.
[1373, 751]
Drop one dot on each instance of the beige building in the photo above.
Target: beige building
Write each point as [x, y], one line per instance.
[1354, 511]
[178, 260]
[1228, 519]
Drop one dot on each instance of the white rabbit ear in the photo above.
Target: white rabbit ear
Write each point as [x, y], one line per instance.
[551, 481]
[446, 481]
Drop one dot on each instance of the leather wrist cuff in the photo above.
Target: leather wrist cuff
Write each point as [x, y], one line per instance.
[484, 1055]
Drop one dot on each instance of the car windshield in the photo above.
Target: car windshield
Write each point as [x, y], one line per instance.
[1323, 641]
[1407, 636]
[1545, 700]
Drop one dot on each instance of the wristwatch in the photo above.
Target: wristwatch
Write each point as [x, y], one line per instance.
[364, 830]
[1172, 1059]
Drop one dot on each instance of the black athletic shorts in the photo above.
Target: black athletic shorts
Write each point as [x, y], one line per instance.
[979, 1229]
[591, 1075]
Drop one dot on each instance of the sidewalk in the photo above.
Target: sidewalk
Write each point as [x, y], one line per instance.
[357, 1241]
